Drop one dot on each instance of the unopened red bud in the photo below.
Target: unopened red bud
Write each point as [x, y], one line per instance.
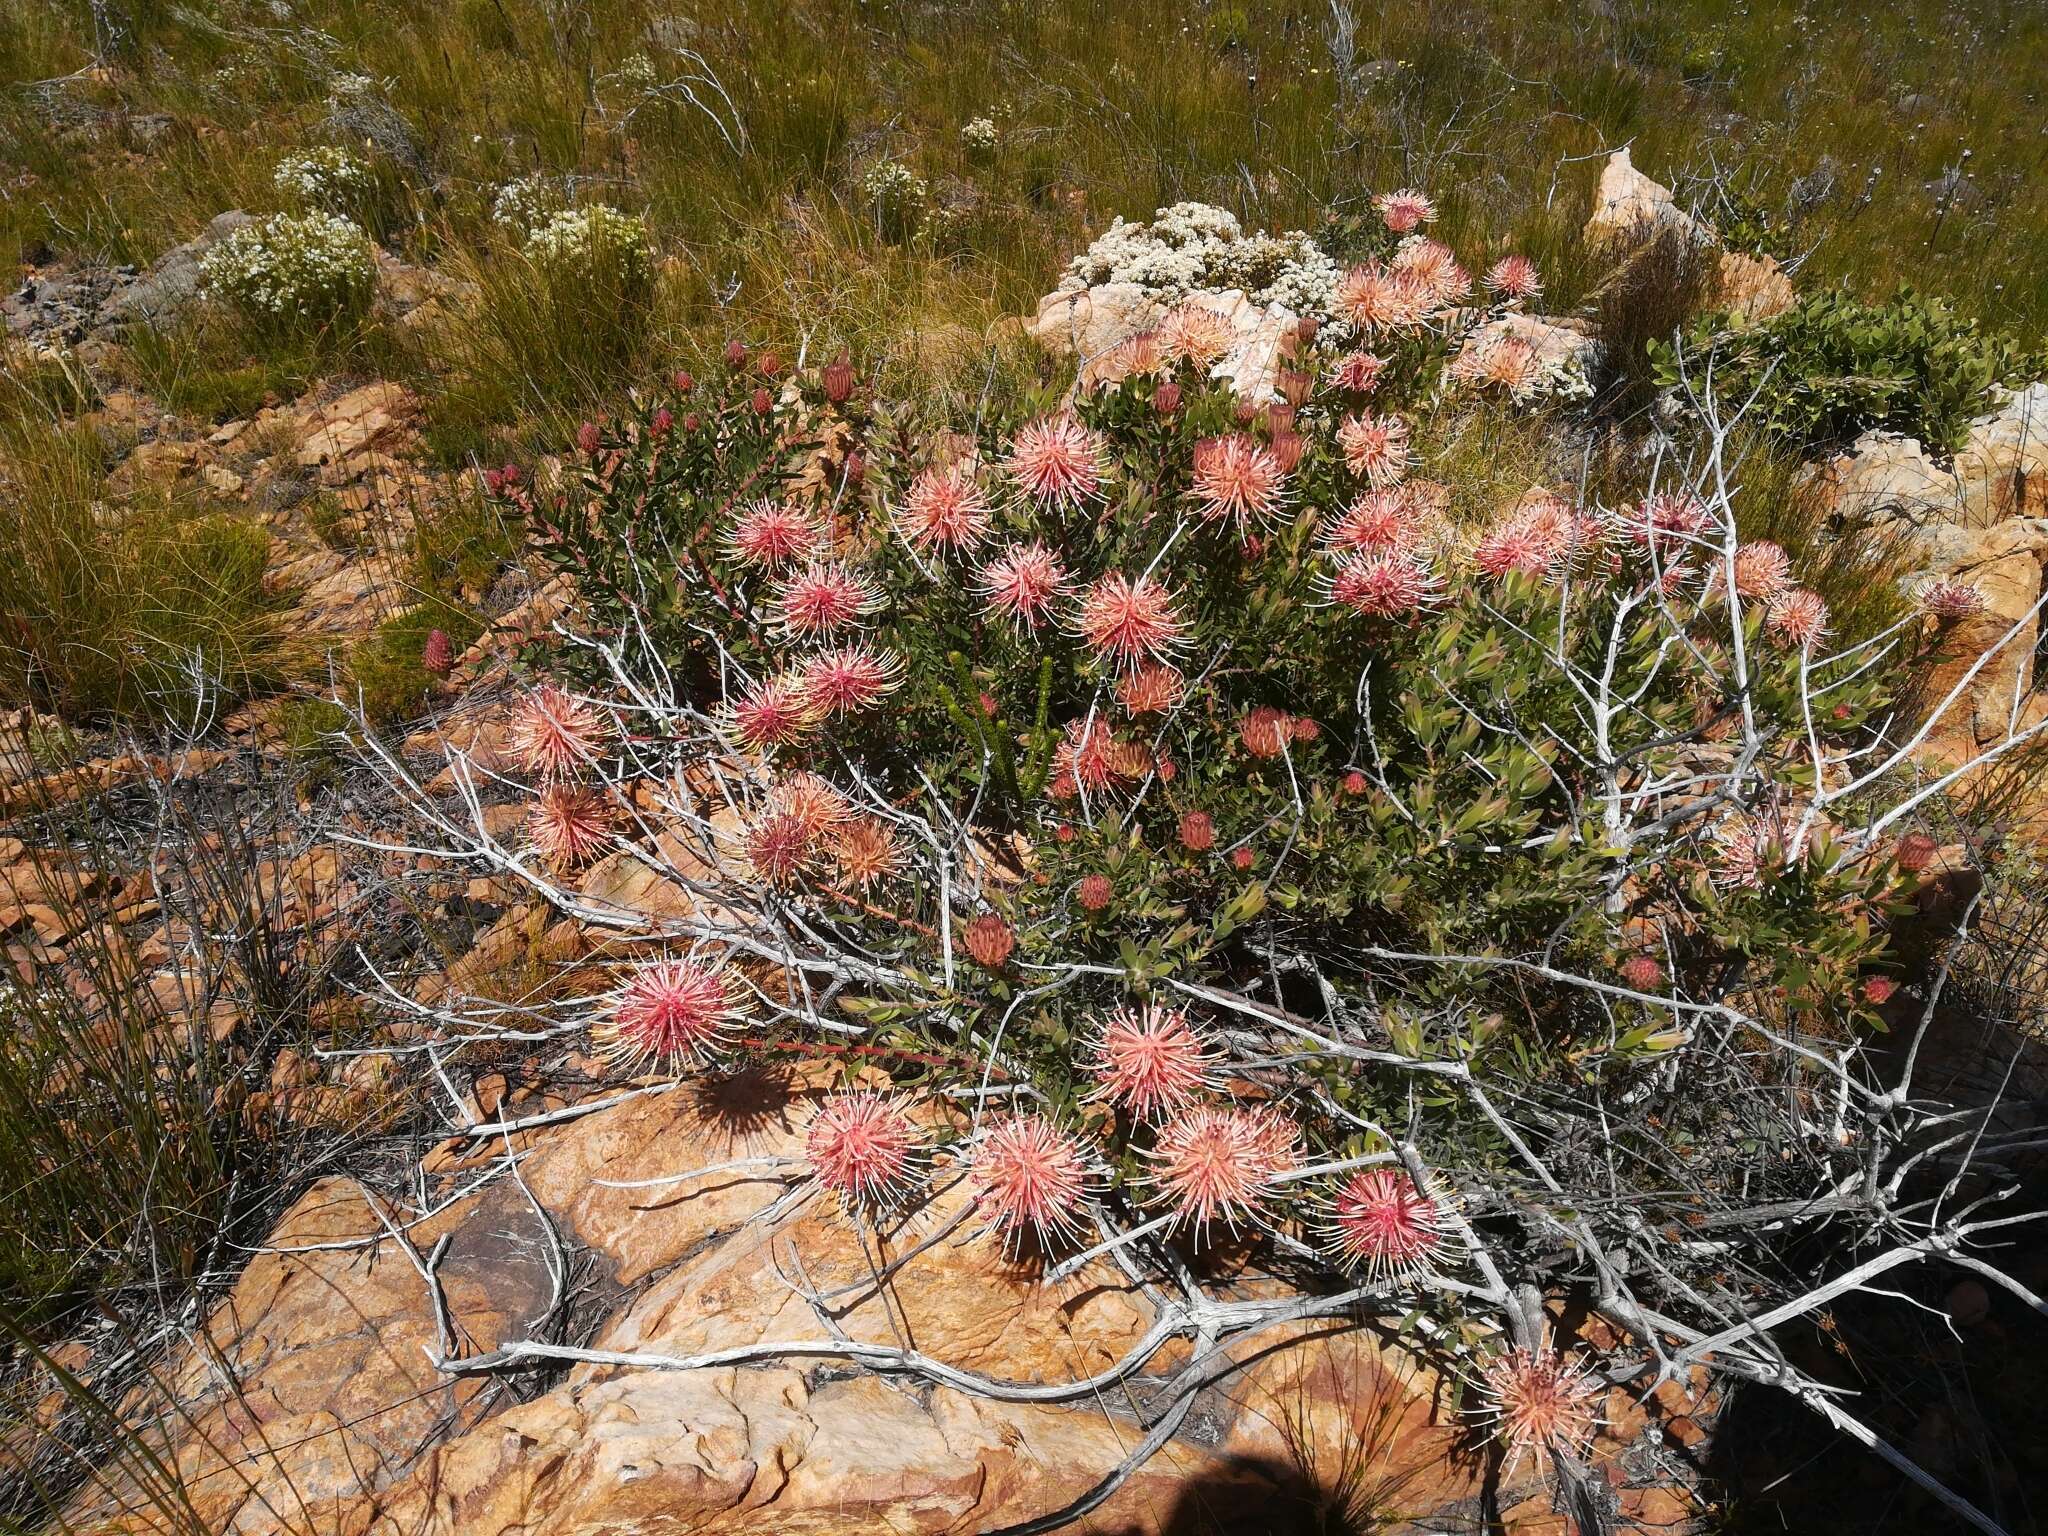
[587, 439]
[1241, 858]
[683, 382]
[662, 421]
[1305, 329]
[1286, 448]
[838, 379]
[763, 402]
[770, 365]
[1279, 418]
[1166, 398]
[735, 354]
[1916, 852]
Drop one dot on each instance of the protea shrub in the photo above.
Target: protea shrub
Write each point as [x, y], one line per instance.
[1274, 856]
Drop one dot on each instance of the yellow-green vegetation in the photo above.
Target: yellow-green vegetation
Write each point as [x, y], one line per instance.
[120, 602]
[1905, 144]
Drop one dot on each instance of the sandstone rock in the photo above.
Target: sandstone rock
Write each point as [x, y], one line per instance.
[173, 281]
[2002, 469]
[1631, 211]
[1564, 345]
[334, 437]
[1088, 322]
[310, 1405]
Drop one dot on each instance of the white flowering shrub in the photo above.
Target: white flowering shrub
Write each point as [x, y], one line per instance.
[593, 240]
[896, 195]
[520, 207]
[979, 136]
[326, 178]
[293, 269]
[1194, 246]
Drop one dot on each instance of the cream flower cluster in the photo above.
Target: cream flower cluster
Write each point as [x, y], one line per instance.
[579, 239]
[524, 205]
[1194, 246]
[292, 266]
[324, 177]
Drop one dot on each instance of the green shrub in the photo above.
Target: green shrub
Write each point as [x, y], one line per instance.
[1831, 368]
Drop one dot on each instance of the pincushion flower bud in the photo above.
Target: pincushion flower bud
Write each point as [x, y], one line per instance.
[1916, 852]
[1355, 783]
[856, 467]
[838, 379]
[1094, 893]
[735, 354]
[770, 365]
[1246, 413]
[1166, 398]
[587, 439]
[1878, 990]
[989, 941]
[762, 402]
[1295, 386]
[1279, 418]
[1197, 831]
[1305, 329]
[1642, 972]
[1241, 859]
[1286, 449]
[437, 656]
[692, 422]
[683, 382]
[661, 421]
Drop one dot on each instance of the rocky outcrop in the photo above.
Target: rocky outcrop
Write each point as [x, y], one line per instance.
[1982, 521]
[1631, 212]
[1087, 323]
[311, 1402]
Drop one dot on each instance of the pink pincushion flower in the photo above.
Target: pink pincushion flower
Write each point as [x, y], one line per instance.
[861, 1145]
[1196, 334]
[1404, 210]
[772, 533]
[1151, 689]
[1666, 523]
[569, 826]
[554, 734]
[1092, 757]
[1512, 546]
[1432, 268]
[1356, 372]
[775, 712]
[1762, 570]
[1374, 298]
[1508, 363]
[1375, 447]
[1056, 461]
[1149, 1061]
[1514, 277]
[1377, 523]
[1747, 849]
[865, 852]
[1537, 1401]
[1797, 618]
[1030, 1176]
[1237, 481]
[944, 511]
[850, 678]
[1126, 622]
[825, 596]
[1219, 1164]
[780, 846]
[1381, 1225]
[1385, 586]
[1266, 731]
[669, 1012]
[1021, 583]
[1949, 601]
